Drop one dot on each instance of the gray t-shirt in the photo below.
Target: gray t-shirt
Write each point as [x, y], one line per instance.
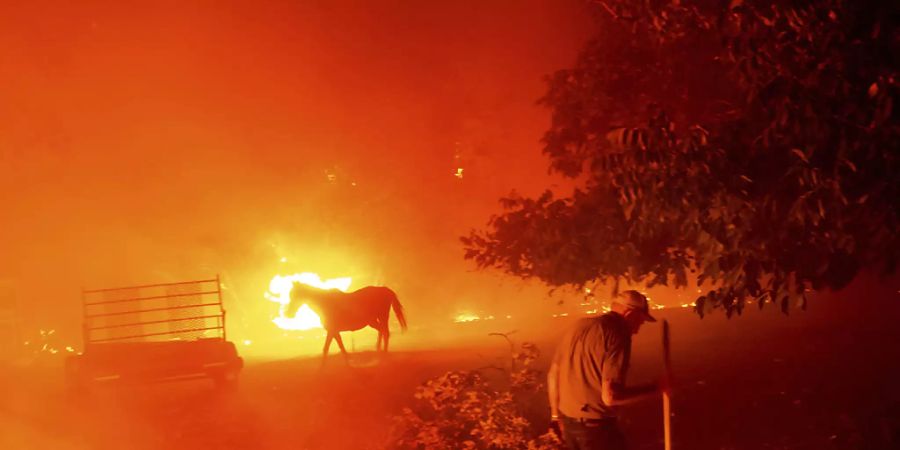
[596, 348]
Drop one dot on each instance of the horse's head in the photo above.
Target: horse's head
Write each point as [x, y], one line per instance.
[300, 294]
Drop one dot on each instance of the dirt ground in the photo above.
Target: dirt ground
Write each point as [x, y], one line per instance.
[824, 379]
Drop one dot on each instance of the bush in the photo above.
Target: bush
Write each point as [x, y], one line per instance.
[472, 410]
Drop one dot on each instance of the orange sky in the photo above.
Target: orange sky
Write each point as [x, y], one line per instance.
[161, 141]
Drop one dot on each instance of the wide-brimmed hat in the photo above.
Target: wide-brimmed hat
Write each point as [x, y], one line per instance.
[637, 301]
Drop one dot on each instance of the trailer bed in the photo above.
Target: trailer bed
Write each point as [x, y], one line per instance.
[151, 333]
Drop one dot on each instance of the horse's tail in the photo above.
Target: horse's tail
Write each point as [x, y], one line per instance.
[398, 311]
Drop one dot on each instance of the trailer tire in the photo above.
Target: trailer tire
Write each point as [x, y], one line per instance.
[226, 380]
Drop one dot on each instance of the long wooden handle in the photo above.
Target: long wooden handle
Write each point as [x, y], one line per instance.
[667, 413]
[667, 423]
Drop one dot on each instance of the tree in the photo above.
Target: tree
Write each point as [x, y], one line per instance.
[752, 145]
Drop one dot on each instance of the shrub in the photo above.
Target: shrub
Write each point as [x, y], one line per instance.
[473, 410]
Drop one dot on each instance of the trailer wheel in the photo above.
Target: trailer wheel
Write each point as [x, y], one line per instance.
[78, 378]
[226, 380]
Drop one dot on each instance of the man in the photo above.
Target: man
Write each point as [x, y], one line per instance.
[586, 381]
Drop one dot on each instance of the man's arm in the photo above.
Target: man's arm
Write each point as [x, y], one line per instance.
[616, 394]
[553, 389]
[556, 425]
[613, 390]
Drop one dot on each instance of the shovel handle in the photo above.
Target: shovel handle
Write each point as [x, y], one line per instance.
[667, 413]
[667, 423]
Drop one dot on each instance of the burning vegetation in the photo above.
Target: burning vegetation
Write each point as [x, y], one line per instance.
[280, 292]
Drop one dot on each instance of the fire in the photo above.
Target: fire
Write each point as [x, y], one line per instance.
[280, 292]
[466, 317]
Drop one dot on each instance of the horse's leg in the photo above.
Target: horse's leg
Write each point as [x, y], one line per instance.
[378, 341]
[328, 339]
[386, 332]
[340, 342]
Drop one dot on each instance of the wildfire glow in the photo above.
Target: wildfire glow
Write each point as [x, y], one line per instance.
[280, 292]
[466, 317]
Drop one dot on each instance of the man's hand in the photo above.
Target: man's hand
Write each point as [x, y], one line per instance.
[665, 383]
[556, 427]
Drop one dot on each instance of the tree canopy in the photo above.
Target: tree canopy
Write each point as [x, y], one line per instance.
[752, 146]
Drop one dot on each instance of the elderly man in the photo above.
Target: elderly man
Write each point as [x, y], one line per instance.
[586, 380]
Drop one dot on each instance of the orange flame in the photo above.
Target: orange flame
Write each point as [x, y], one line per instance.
[466, 317]
[280, 292]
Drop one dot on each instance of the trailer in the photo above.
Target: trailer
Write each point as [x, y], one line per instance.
[152, 333]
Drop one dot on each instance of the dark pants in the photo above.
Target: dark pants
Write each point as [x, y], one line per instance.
[592, 434]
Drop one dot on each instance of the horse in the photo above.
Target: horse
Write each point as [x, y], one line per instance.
[349, 311]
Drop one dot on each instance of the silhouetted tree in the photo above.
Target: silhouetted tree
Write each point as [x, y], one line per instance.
[752, 143]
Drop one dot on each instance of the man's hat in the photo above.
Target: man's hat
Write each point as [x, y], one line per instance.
[635, 300]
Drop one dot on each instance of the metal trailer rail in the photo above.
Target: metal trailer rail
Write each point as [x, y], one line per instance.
[165, 310]
[155, 332]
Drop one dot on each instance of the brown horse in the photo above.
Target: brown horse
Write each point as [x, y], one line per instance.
[343, 311]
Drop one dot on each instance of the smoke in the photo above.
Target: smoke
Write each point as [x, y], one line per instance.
[165, 142]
